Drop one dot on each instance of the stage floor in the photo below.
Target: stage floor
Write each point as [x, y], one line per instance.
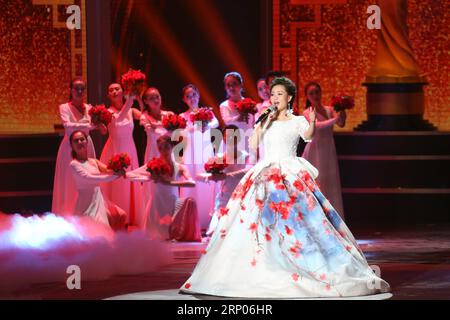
[415, 261]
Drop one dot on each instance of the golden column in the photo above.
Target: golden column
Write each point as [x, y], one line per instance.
[395, 99]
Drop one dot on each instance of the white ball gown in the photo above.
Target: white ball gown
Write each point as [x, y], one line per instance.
[90, 201]
[279, 237]
[64, 188]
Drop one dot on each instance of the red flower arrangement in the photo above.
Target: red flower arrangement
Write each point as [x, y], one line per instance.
[173, 122]
[215, 165]
[342, 102]
[246, 107]
[119, 162]
[203, 114]
[159, 167]
[131, 79]
[100, 115]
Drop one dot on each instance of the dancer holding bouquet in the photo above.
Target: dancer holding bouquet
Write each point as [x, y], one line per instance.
[234, 112]
[75, 115]
[321, 152]
[197, 149]
[125, 194]
[227, 169]
[89, 173]
[167, 216]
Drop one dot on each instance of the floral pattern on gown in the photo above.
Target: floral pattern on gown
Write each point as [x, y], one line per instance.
[279, 237]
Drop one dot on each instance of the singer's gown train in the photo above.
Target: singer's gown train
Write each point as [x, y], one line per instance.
[278, 236]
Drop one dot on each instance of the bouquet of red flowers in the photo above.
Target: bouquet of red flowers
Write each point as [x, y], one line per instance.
[216, 165]
[158, 167]
[342, 102]
[203, 114]
[100, 115]
[119, 162]
[172, 122]
[246, 107]
[132, 79]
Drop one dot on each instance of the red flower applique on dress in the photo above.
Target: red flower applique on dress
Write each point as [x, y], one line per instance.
[280, 208]
[275, 176]
[289, 231]
[295, 250]
[299, 185]
[187, 285]
[253, 227]
[253, 262]
[242, 189]
[223, 212]
[267, 235]
[295, 277]
[259, 204]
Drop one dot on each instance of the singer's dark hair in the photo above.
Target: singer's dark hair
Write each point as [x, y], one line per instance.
[307, 86]
[289, 85]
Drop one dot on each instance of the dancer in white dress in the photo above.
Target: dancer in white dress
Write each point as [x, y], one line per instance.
[74, 116]
[167, 216]
[197, 150]
[122, 192]
[151, 121]
[238, 163]
[234, 86]
[279, 237]
[321, 151]
[88, 174]
[264, 95]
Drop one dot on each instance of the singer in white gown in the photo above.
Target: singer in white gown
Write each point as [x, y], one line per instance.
[278, 236]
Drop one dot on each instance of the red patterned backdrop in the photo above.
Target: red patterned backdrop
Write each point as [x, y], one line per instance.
[328, 41]
[38, 57]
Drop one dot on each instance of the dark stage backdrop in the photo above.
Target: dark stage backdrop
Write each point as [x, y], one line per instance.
[176, 42]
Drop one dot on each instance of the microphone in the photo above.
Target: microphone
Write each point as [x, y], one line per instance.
[266, 113]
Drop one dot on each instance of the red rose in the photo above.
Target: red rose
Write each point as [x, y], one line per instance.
[119, 162]
[246, 106]
[159, 167]
[342, 102]
[215, 165]
[172, 122]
